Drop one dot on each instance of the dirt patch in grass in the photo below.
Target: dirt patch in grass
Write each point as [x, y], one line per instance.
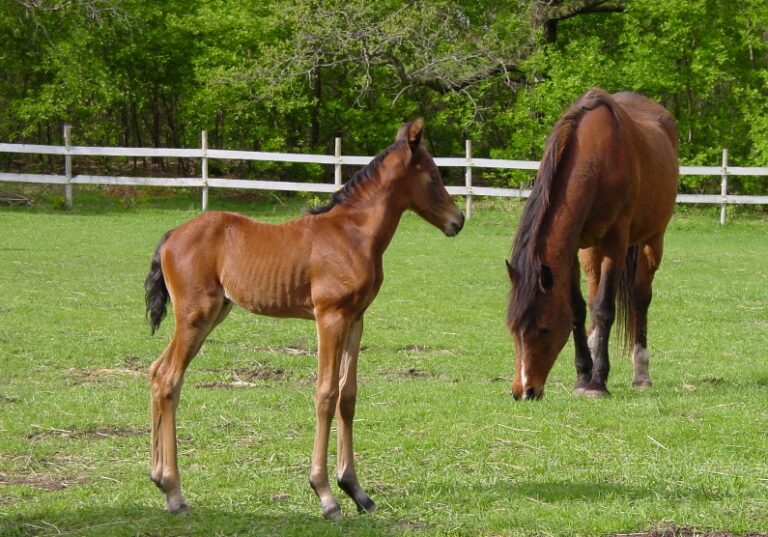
[102, 374]
[423, 349]
[47, 473]
[294, 349]
[675, 531]
[43, 481]
[93, 433]
[248, 378]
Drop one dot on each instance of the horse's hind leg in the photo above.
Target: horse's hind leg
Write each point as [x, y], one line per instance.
[193, 324]
[345, 414]
[648, 261]
[603, 306]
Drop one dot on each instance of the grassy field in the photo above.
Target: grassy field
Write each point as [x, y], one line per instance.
[440, 445]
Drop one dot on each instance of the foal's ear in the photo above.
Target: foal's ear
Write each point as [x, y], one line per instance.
[411, 133]
[546, 278]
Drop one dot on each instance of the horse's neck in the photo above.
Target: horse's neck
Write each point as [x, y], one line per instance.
[562, 230]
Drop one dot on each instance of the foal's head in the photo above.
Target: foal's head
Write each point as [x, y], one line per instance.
[423, 187]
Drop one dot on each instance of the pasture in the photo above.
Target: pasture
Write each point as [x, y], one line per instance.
[440, 445]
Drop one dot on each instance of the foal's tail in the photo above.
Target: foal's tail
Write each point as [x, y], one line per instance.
[155, 292]
[625, 330]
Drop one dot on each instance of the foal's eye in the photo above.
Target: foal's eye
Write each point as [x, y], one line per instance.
[545, 331]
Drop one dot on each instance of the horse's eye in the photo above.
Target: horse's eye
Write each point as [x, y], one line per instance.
[545, 331]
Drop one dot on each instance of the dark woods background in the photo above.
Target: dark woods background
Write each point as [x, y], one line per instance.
[291, 75]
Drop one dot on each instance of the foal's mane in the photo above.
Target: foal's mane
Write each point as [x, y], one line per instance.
[525, 264]
[359, 179]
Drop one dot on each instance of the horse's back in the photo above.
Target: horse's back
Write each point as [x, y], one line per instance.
[655, 154]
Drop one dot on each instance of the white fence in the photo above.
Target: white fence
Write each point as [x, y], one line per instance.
[337, 161]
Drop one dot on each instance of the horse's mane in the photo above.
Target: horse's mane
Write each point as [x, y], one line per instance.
[360, 178]
[525, 263]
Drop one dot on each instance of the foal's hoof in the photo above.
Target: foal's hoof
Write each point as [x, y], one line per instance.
[181, 509]
[645, 383]
[366, 506]
[332, 513]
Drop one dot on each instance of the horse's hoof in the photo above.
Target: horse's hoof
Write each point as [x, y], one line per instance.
[596, 393]
[642, 384]
[579, 390]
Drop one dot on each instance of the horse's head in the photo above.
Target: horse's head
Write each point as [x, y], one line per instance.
[423, 185]
[540, 329]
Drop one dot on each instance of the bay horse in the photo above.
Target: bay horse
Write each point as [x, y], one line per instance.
[604, 193]
[326, 266]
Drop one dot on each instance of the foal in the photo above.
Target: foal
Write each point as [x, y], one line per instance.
[325, 266]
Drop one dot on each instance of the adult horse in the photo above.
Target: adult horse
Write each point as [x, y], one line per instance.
[606, 189]
[325, 266]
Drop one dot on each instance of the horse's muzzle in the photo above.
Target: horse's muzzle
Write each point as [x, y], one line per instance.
[531, 394]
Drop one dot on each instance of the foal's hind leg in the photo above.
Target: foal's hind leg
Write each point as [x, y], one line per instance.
[345, 414]
[193, 324]
[648, 260]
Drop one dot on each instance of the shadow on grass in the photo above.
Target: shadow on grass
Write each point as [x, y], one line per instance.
[140, 520]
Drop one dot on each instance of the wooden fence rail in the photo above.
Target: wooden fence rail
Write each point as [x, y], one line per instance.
[468, 190]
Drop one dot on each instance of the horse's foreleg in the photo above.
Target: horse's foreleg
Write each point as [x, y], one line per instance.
[603, 308]
[332, 330]
[345, 414]
[583, 357]
[647, 262]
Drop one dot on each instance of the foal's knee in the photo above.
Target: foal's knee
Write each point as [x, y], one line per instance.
[326, 399]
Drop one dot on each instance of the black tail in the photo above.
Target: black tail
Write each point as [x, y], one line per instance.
[155, 292]
[625, 332]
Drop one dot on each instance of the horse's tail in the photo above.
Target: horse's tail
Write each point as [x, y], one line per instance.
[155, 292]
[625, 330]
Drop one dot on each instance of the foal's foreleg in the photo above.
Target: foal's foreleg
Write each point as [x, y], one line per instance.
[345, 414]
[332, 328]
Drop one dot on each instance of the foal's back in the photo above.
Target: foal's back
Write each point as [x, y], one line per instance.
[259, 266]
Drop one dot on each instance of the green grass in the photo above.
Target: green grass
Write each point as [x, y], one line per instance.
[440, 445]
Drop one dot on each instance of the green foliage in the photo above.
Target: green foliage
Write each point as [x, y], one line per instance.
[293, 75]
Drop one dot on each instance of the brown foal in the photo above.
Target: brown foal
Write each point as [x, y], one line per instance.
[325, 266]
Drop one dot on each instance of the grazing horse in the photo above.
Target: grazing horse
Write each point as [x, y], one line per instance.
[604, 193]
[325, 266]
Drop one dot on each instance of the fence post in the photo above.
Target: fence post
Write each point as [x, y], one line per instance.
[69, 202]
[468, 178]
[724, 187]
[204, 168]
[337, 166]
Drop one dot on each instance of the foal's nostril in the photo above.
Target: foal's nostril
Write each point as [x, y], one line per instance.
[530, 393]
